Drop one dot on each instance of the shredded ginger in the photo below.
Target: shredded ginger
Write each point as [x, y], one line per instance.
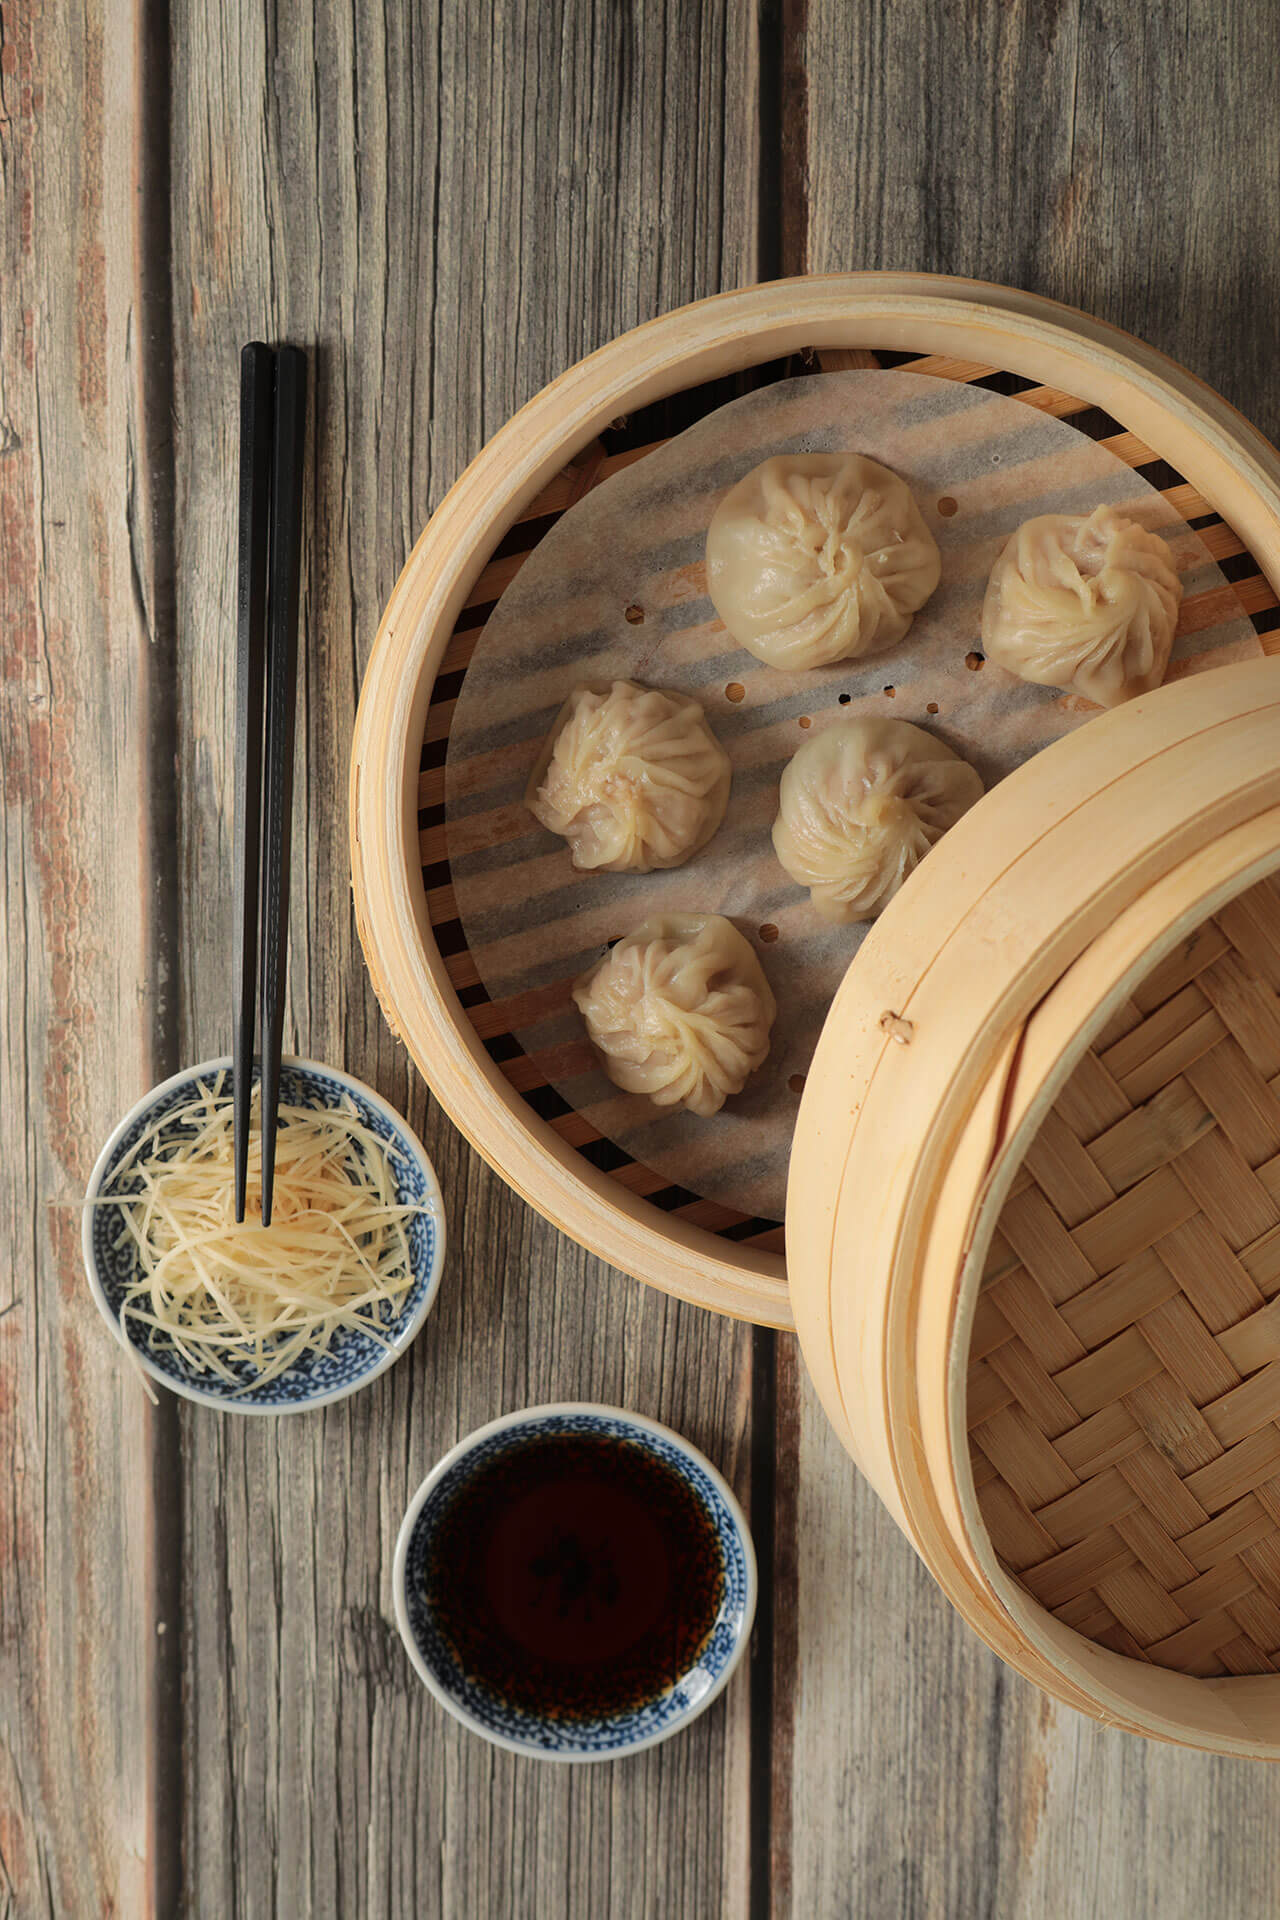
[229, 1298]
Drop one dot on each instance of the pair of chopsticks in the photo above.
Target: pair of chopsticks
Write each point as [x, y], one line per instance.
[273, 416]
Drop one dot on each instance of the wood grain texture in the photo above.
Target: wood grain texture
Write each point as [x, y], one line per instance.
[1033, 145]
[955, 1787]
[1121, 160]
[453, 203]
[77, 1620]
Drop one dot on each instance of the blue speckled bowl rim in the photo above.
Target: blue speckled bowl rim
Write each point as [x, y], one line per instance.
[222, 1401]
[547, 1741]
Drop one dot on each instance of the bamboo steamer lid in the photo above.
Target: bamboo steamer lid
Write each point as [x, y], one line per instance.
[953, 1035]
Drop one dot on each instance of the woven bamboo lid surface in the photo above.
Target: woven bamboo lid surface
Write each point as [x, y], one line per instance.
[1124, 1379]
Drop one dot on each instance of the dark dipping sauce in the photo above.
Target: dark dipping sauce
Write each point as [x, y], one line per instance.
[575, 1576]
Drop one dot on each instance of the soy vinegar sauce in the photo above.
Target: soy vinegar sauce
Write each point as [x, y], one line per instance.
[576, 1576]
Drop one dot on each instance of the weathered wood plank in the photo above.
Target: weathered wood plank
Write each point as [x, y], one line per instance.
[454, 203]
[78, 1626]
[1033, 145]
[453, 208]
[1025, 144]
[923, 1777]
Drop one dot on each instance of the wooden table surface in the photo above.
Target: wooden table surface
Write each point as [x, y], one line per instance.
[204, 1707]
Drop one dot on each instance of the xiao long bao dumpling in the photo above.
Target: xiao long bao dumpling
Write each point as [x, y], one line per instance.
[632, 778]
[860, 806]
[817, 557]
[680, 1010]
[1088, 602]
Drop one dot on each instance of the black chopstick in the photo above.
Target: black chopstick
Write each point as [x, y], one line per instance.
[257, 432]
[282, 693]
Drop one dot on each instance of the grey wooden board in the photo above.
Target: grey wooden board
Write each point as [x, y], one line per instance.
[452, 203]
[77, 1620]
[1123, 160]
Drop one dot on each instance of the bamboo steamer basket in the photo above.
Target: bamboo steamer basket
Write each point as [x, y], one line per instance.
[953, 1079]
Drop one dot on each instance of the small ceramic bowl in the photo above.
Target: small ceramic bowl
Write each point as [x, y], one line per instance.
[519, 1731]
[353, 1359]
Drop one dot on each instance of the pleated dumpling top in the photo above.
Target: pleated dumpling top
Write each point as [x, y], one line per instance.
[860, 805]
[631, 777]
[817, 557]
[1085, 601]
[680, 1010]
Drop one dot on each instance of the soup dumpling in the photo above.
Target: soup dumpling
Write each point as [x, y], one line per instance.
[634, 779]
[1086, 601]
[816, 557]
[680, 1010]
[859, 807]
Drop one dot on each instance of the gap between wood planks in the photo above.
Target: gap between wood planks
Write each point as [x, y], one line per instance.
[152, 540]
[152, 511]
[782, 203]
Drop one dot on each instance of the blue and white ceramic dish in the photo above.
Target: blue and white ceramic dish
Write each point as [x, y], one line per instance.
[497, 1720]
[353, 1358]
